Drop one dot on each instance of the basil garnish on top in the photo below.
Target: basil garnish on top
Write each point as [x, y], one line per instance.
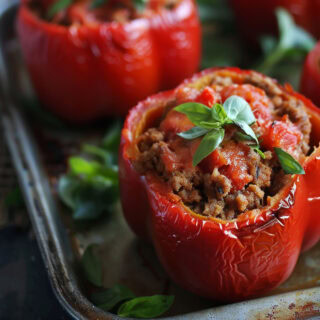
[210, 123]
[57, 7]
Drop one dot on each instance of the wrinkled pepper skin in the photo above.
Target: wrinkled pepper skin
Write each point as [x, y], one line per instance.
[223, 260]
[83, 72]
[263, 20]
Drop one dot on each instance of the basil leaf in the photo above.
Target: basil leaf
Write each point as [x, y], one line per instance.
[239, 110]
[218, 113]
[292, 39]
[91, 186]
[139, 4]
[111, 140]
[146, 307]
[208, 144]
[210, 125]
[196, 112]
[243, 137]
[288, 163]
[193, 133]
[97, 3]
[257, 149]
[108, 299]
[91, 266]
[57, 7]
[247, 129]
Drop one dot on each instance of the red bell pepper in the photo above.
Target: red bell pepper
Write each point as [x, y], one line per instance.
[223, 260]
[257, 18]
[310, 78]
[93, 68]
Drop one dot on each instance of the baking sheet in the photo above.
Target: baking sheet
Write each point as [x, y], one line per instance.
[39, 151]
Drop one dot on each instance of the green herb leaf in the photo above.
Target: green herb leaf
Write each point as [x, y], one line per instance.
[139, 4]
[256, 148]
[218, 113]
[196, 112]
[97, 3]
[91, 265]
[90, 188]
[288, 163]
[292, 39]
[239, 110]
[211, 125]
[243, 137]
[108, 299]
[193, 133]
[208, 144]
[146, 307]
[247, 129]
[57, 7]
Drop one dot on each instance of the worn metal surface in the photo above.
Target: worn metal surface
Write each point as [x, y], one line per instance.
[38, 154]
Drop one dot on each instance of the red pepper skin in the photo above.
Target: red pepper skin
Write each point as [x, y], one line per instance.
[222, 260]
[83, 72]
[263, 20]
[310, 78]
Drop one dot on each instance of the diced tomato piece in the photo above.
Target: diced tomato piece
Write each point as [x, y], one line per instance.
[208, 97]
[281, 134]
[175, 122]
[256, 97]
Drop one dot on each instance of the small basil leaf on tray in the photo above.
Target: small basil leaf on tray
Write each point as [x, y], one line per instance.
[288, 163]
[208, 144]
[90, 188]
[58, 6]
[91, 266]
[109, 298]
[146, 307]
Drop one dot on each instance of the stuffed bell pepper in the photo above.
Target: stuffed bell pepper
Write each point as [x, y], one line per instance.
[222, 175]
[89, 59]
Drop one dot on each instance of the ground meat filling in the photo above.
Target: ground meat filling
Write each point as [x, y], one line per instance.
[234, 178]
[81, 11]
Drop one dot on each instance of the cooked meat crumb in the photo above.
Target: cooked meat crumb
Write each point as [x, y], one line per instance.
[213, 193]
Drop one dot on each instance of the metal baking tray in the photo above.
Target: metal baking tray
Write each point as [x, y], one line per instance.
[39, 153]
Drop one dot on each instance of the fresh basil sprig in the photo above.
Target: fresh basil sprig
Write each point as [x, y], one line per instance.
[288, 163]
[109, 299]
[91, 266]
[293, 40]
[90, 188]
[57, 7]
[146, 307]
[210, 123]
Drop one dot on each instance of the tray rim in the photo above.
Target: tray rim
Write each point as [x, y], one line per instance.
[45, 219]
